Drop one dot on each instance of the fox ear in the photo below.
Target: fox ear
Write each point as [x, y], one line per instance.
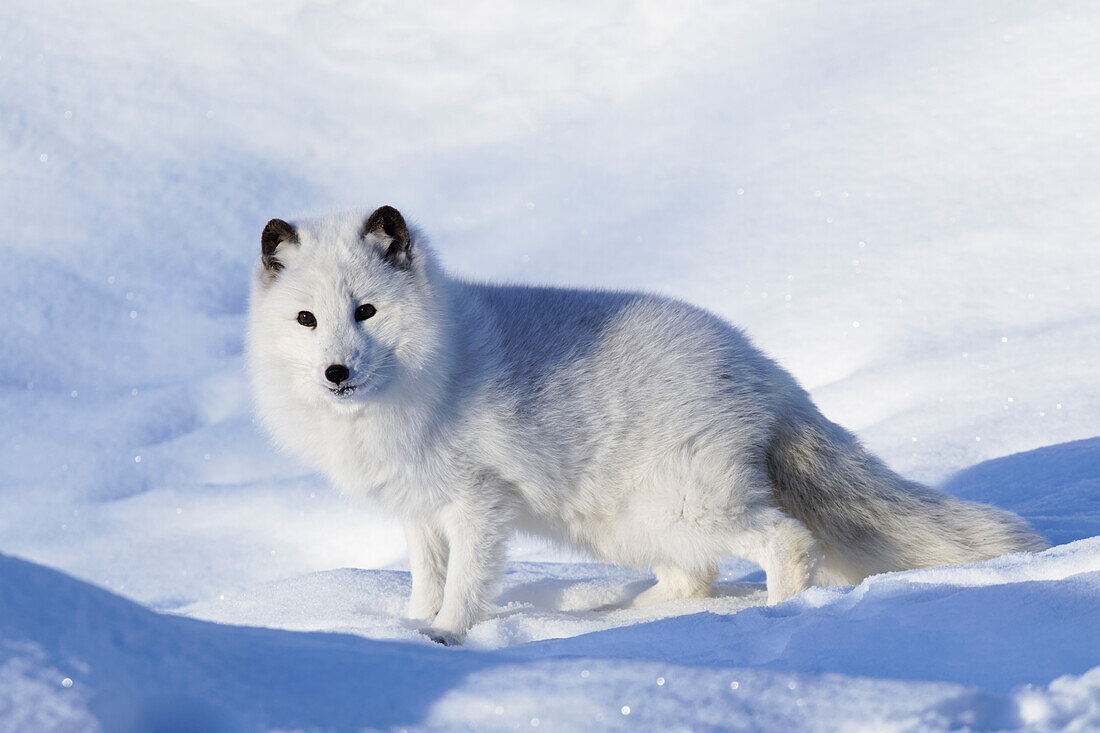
[387, 221]
[276, 233]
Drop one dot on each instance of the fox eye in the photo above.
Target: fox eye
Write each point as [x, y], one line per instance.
[306, 319]
[364, 312]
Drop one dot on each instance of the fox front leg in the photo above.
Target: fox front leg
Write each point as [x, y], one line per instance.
[428, 563]
[475, 537]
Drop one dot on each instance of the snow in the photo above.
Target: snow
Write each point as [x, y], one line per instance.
[924, 169]
[1006, 644]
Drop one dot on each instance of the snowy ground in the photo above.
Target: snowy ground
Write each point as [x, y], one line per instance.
[897, 200]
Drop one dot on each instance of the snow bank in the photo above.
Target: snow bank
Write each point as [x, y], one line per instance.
[1005, 644]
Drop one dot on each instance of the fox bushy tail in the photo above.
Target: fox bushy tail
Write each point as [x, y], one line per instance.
[868, 519]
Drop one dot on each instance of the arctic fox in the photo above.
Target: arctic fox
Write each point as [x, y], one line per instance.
[644, 430]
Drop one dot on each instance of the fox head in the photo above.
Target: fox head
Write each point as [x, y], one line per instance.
[344, 310]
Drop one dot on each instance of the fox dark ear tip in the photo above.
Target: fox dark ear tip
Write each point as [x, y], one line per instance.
[279, 230]
[388, 221]
[276, 232]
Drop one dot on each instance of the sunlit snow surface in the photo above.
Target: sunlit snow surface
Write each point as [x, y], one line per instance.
[896, 200]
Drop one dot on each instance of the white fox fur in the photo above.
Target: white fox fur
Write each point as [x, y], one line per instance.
[644, 430]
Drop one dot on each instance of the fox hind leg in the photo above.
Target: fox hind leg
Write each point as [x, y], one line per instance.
[675, 583]
[781, 545]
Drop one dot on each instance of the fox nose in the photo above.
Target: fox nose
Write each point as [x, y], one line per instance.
[337, 373]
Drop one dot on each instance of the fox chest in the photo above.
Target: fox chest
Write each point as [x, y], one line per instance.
[403, 476]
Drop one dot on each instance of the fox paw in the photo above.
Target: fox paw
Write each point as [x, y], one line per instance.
[446, 638]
